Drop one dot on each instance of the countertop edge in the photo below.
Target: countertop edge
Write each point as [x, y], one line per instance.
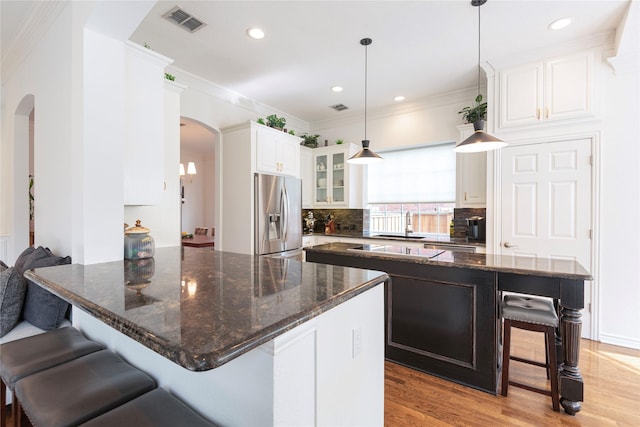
[342, 248]
[191, 361]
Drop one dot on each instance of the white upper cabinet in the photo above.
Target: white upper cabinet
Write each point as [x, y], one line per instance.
[144, 178]
[277, 152]
[548, 91]
[307, 172]
[336, 182]
[471, 175]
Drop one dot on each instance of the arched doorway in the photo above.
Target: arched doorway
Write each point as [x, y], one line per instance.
[24, 212]
[198, 145]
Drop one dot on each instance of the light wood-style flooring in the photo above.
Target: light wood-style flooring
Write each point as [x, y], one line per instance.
[611, 392]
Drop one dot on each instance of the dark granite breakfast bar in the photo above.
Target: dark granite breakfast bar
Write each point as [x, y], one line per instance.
[257, 335]
[443, 314]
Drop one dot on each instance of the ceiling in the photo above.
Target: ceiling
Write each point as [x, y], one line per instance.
[420, 48]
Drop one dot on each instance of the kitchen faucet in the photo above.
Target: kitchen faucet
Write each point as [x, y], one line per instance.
[408, 226]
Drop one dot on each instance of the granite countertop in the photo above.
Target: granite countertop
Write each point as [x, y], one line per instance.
[488, 262]
[415, 237]
[202, 308]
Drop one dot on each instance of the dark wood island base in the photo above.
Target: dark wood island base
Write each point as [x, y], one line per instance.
[442, 310]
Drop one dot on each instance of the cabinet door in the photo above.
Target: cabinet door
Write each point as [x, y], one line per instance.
[288, 155]
[521, 95]
[266, 151]
[306, 172]
[568, 83]
[338, 178]
[321, 179]
[471, 175]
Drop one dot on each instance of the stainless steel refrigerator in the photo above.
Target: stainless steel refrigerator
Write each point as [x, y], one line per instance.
[278, 215]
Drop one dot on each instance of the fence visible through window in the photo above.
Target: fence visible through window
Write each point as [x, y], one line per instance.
[426, 218]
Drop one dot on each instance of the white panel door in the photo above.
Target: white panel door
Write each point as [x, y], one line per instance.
[546, 204]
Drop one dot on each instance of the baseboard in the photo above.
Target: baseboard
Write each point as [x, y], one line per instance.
[620, 341]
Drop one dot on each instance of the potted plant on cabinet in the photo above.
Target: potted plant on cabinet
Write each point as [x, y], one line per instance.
[276, 122]
[475, 114]
[310, 141]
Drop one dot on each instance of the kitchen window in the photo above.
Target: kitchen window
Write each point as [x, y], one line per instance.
[420, 180]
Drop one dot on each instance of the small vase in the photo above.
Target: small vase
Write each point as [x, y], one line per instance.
[478, 125]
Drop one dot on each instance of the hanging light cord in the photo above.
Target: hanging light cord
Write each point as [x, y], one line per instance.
[365, 90]
[478, 50]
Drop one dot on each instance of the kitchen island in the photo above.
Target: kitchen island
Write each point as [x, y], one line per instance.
[244, 340]
[443, 313]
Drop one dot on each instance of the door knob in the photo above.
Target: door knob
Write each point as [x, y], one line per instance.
[509, 245]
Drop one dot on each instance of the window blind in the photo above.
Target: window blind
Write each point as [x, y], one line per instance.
[424, 174]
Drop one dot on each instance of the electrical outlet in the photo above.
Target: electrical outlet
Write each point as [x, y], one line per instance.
[356, 335]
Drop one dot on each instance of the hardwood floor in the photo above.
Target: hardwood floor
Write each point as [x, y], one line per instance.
[612, 392]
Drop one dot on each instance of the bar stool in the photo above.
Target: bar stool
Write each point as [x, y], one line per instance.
[79, 390]
[531, 314]
[157, 408]
[26, 356]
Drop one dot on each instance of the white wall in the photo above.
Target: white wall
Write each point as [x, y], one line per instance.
[620, 208]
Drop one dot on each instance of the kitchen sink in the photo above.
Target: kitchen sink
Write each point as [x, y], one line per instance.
[398, 236]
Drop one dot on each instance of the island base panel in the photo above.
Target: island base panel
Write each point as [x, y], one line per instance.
[326, 371]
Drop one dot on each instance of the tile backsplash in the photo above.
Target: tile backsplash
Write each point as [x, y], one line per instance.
[460, 216]
[356, 220]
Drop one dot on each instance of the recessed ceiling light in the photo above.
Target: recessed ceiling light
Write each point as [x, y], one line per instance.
[399, 98]
[559, 24]
[255, 33]
[336, 88]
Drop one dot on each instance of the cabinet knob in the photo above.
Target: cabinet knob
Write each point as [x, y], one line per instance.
[465, 196]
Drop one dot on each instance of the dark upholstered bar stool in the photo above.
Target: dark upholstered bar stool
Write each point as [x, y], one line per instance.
[531, 314]
[157, 408]
[79, 390]
[27, 356]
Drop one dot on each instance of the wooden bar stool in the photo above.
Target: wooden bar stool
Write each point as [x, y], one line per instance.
[531, 314]
[27, 356]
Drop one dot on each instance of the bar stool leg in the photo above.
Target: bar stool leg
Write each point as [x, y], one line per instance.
[553, 367]
[506, 353]
[3, 404]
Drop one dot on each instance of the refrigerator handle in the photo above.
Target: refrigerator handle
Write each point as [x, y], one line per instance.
[285, 212]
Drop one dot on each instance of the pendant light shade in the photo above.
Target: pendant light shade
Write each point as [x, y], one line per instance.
[365, 155]
[479, 140]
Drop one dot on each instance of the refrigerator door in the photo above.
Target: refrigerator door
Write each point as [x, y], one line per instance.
[278, 226]
[293, 213]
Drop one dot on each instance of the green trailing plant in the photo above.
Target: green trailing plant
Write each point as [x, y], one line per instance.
[472, 114]
[276, 122]
[339, 141]
[31, 199]
[261, 121]
[310, 141]
[169, 77]
[291, 132]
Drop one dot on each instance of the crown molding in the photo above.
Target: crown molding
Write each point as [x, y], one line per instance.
[36, 25]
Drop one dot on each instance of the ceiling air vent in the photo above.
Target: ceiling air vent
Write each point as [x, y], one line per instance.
[184, 19]
[339, 107]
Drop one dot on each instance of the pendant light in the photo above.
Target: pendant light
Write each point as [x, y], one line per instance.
[365, 156]
[479, 140]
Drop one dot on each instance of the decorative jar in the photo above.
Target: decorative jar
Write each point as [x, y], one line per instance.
[138, 244]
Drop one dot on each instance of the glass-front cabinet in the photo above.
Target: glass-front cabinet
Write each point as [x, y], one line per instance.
[330, 178]
[334, 182]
